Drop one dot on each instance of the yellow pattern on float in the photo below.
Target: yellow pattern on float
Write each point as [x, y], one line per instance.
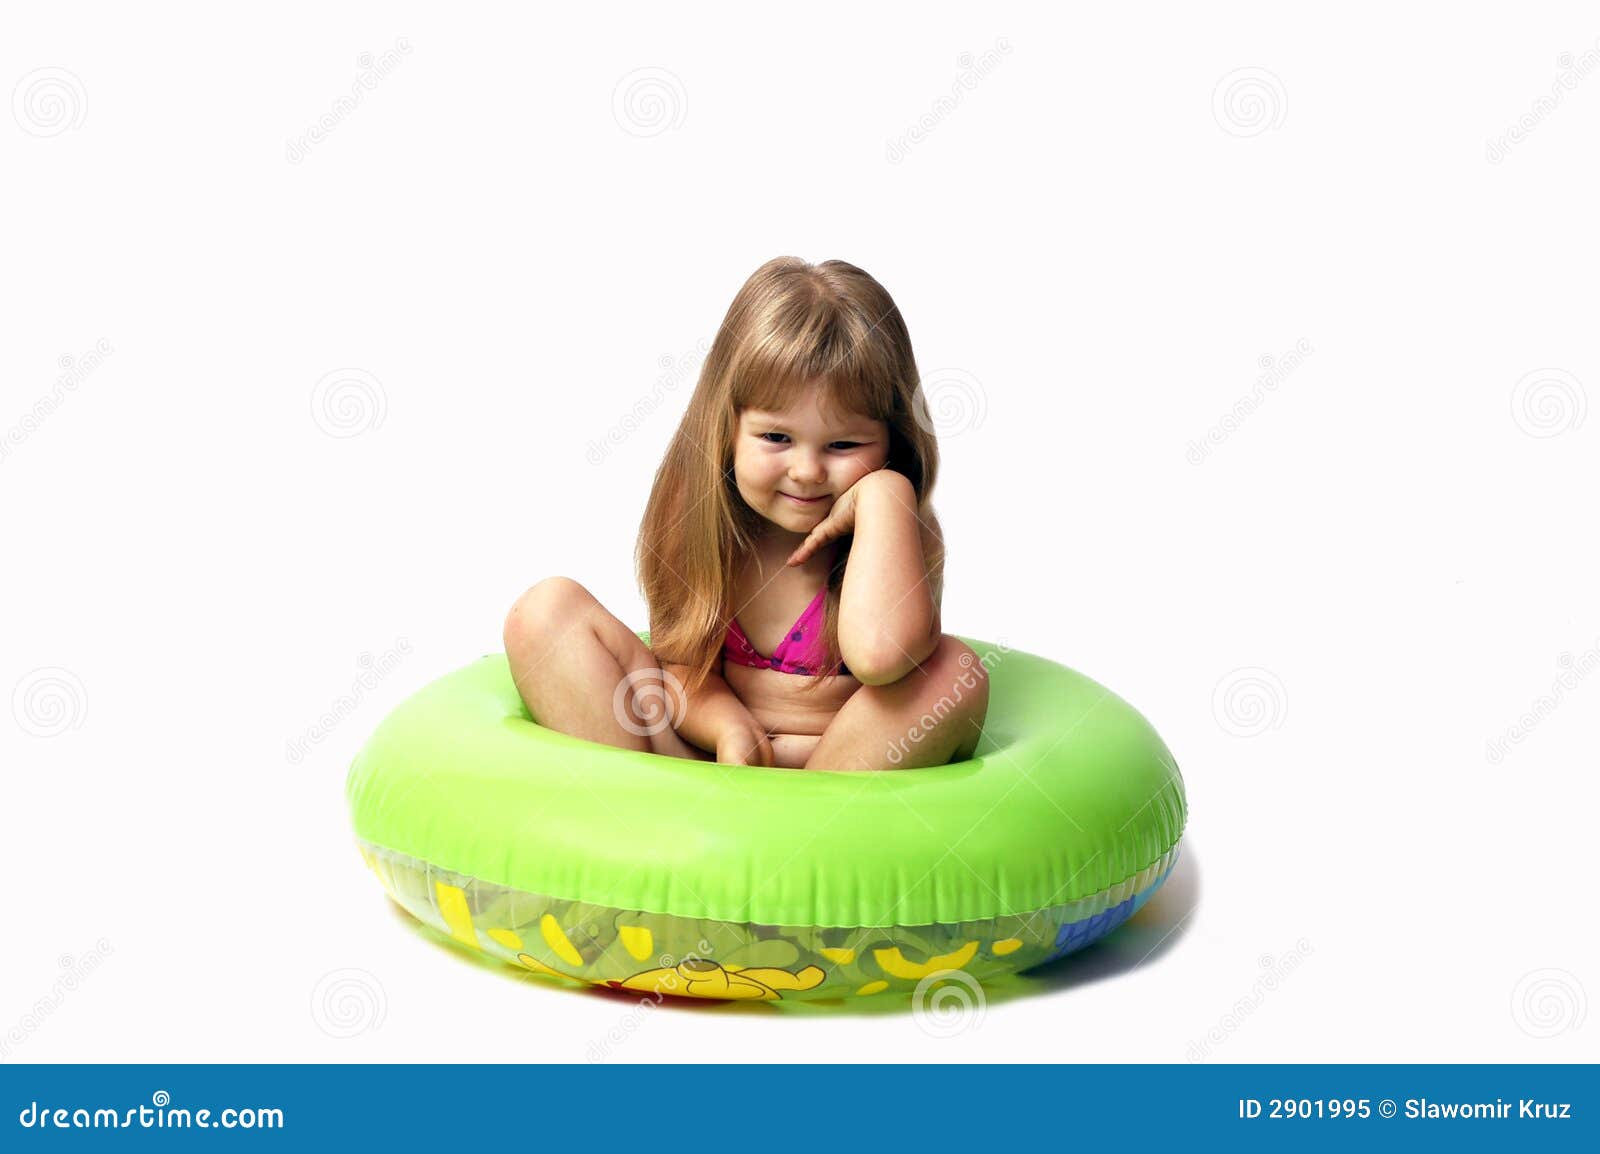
[557, 940]
[893, 963]
[453, 908]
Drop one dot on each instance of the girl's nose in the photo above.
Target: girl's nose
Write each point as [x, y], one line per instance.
[805, 467]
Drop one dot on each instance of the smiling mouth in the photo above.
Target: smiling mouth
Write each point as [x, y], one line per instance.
[803, 500]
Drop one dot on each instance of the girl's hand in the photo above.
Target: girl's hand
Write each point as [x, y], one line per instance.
[841, 519]
[745, 743]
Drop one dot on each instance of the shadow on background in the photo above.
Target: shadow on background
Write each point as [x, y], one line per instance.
[1146, 937]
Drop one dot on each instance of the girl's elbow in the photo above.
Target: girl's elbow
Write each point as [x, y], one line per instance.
[872, 674]
[889, 660]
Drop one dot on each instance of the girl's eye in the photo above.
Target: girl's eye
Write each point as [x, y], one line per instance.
[841, 445]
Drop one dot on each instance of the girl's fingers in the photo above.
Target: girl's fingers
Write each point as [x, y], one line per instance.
[818, 537]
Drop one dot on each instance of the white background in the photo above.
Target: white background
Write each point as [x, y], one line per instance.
[1096, 242]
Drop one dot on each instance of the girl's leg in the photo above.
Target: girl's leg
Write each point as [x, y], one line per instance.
[931, 716]
[583, 672]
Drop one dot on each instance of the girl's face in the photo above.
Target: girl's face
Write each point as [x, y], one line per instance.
[781, 457]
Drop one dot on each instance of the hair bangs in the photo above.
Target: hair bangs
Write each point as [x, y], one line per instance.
[822, 344]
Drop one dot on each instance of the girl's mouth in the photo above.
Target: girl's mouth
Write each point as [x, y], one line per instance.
[802, 500]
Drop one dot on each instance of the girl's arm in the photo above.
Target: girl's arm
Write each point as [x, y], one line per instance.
[711, 712]
[889, 605]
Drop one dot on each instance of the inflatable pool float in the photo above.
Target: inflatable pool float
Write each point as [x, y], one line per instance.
[582, 861]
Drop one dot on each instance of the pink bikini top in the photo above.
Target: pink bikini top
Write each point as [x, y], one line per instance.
[800, 652]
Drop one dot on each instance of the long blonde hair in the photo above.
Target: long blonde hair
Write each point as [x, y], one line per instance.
[791, 324]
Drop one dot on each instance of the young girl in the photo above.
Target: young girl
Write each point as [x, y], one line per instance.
[792, 565]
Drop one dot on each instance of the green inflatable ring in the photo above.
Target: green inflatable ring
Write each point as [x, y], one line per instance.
[586, 862]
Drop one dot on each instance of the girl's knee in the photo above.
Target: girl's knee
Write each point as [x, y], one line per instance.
[971, 671]
[951, 680]
[553, 600]
[955, 698]
[954, 661]
[957, 679]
